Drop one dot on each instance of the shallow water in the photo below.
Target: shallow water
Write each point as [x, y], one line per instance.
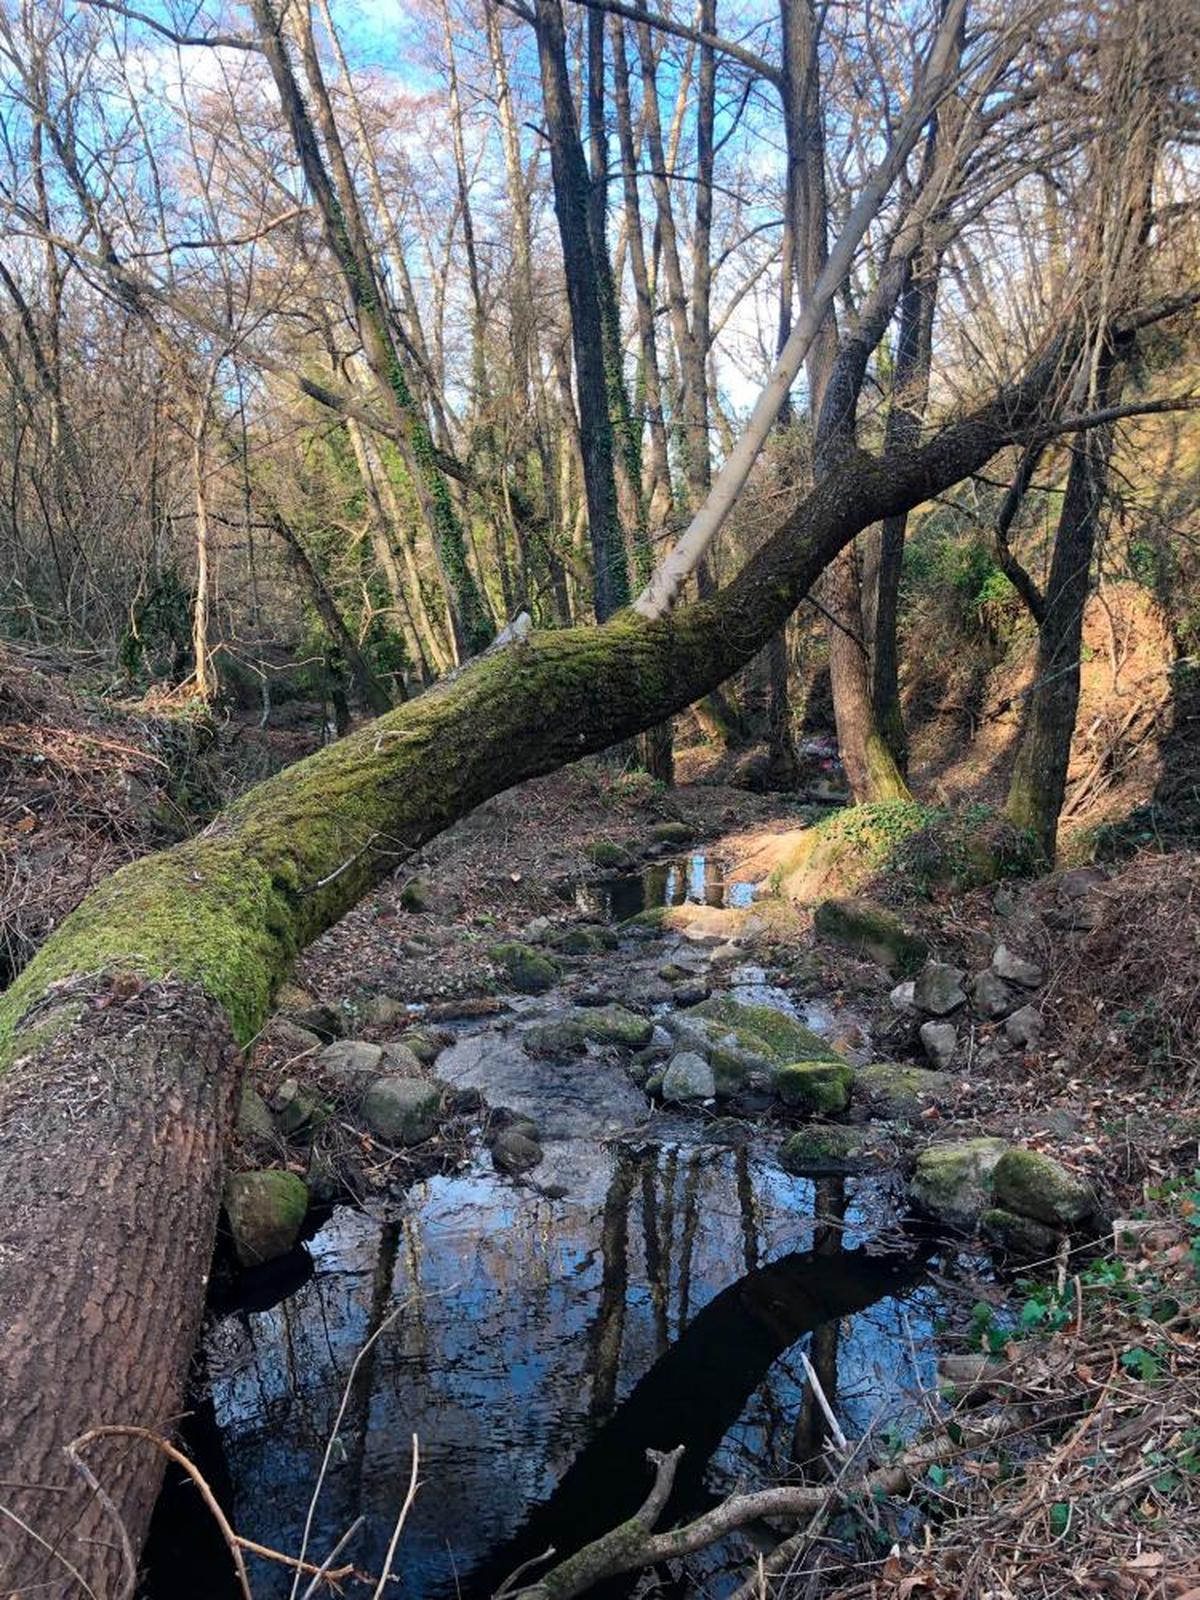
[541, 1346]
[694, 879]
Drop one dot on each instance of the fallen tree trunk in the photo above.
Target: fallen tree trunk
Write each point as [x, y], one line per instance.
[117, 1043]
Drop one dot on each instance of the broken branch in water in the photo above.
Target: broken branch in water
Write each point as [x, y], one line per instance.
[634, 1544]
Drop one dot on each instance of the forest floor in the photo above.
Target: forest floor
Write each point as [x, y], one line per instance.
[1095, 1349]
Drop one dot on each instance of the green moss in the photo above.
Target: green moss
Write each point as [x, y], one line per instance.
[871, 930]
[823, 1147]
[902, 1092]
[527, 969]
[771, 1032]
[821, 1088]
[953, 1181]
[1035, 1185]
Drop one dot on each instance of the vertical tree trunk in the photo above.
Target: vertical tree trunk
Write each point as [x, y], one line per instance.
[1039, 779]
[346, 236]
[914, 355]
[203, 671]
[571, 200]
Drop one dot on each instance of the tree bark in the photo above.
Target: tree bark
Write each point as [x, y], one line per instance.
[112, 1119]
[1039, 780]
[114, 1126]
[571, 200]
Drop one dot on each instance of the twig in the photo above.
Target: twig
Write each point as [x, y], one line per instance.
[400, 1520]
[32, 1533]
[116, 1430]
[835, 1427]
[323, 1571]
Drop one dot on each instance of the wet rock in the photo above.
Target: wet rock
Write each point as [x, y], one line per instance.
[612, 857]
[255, 1124]
[991, 998]
[903, 997]
[1015, 969]
[1017, 1235]
[654, 1085]
[939, 1041]
[938, 989]
[660, 1039]
[602, 1025]
[953, 1182]
[426, 1043]
[870, 930]
[825, 1148]
[526, 970]
[670, 973]
[297, 1109]
[402, 1110]
[266, 1211]
[516, 1149]
[672, 832]
[558, 1037]
[568, 1097]
[350, 1063]
[1035, 1185]
[894, 1092]
[688, 1078]
[821, 1088]
[1024, 1027]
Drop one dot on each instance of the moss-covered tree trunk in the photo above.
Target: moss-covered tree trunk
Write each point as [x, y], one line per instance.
[117, 1067]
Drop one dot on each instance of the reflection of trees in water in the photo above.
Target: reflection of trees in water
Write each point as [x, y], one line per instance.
[609, 1327]
[691, 1220]
[812, 1426]
[747, 1206]
[358, 1406]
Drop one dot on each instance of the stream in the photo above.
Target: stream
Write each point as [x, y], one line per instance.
[538, 1346]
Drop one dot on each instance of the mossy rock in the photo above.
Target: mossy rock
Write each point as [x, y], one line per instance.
[299, 1110]
[1035, 1185]
[731, 1073]
[586, 940]
[954, 1182]
[785, 1039]
[426, 1044]
[266, 1211]
[614, 1025]
[402, 1111]
[824, 1148]
[611, 857]
[871, 930]
[901, 1093]
[821, 1088]
[527, 970]
[673, 832]
[603, 1025]
[1019, 1236]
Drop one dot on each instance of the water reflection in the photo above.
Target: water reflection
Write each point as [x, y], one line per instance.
[545, 1346]
[693, 879]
